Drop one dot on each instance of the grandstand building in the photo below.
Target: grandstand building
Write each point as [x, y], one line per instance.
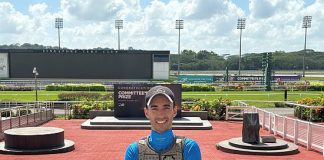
[18, 64]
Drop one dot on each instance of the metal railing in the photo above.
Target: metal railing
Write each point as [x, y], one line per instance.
[63, 108]
[236, 112]
[25, 115]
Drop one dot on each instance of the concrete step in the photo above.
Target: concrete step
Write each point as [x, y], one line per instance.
[110, 122]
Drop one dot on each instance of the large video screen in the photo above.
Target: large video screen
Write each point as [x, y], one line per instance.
[4, 65]
[82, 65]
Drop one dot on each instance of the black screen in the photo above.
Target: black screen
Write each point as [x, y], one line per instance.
[82, 65]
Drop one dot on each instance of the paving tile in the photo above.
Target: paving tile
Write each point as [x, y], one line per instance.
[111, 144]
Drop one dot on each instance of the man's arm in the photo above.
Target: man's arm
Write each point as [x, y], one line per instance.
[131, 152]
[191, 150]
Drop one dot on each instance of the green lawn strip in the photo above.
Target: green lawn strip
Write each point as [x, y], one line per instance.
[254, 96]
[27, 96]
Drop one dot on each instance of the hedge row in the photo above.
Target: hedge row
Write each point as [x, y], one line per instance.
[16, 88]
[75, 87]
[85, 96]
[193, 87]
[82, 110]
[316, 86]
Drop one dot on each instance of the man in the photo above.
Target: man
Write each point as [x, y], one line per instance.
[162, 144]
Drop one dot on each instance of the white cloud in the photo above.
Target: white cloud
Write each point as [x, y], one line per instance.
[198, 9]
[98, 10]
[38, 9]
[208, 25]
[11, 20]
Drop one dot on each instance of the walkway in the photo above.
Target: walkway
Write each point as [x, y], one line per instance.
[111, 144]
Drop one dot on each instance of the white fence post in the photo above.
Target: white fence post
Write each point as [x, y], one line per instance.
[0, 122]
[19, 123]
[226, 113]
[284, 127]
[263, 119]
[10, 120]
[295, 131]
[270, 122]
[309, 136]
[274, 124]
[35, 112]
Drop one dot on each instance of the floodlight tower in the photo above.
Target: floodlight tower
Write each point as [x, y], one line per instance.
[179, 26]
[307, 21]
[240, 26]
[118, 26]
[59, 25]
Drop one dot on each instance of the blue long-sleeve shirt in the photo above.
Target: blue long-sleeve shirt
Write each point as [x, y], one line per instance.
[163, 141]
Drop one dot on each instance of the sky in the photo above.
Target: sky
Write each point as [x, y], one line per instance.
[271, 25]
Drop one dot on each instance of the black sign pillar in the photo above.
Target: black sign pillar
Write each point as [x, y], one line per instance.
[129, 99]
[251, 127]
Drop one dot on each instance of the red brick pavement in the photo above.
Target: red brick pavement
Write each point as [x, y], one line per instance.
[111, 144]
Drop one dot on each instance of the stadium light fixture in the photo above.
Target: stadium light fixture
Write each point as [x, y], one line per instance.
[118, 26]
[307, 23]
[240, 26]
[59, 25]
[179, 26]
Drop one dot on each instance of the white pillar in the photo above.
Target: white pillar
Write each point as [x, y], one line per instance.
[284, 128]
[295, 131]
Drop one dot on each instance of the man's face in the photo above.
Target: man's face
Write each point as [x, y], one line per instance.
[160, 113]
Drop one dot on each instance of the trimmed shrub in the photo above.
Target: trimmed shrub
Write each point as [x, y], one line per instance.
[190, 99]
[16, 88]
[216, 109]
[316, 86]
[84, 96]
[81, 110]
[195, 87]
[75, 87]
[279, 105]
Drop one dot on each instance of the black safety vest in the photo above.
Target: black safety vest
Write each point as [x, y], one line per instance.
[146, 152]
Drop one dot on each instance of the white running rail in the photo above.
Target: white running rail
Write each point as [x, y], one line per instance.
[300, 132]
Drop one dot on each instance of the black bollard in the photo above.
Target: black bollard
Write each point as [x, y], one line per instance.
[251, 127]
[286, 94]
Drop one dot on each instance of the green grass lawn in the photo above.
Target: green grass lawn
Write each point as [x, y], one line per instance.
[252, 97]
[27, 96]
[24, 96]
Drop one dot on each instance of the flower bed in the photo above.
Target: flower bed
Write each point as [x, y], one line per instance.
[311, 109]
